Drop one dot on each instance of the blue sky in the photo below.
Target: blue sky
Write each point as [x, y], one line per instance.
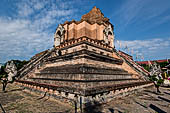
[27, 26]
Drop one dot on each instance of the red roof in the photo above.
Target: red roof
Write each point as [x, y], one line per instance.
[147, 62]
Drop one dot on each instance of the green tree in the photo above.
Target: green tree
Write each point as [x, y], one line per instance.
[3, 77]
[146, 67]
[163, 64]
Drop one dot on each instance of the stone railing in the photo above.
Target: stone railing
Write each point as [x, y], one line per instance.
[134, 65]
[37, 61]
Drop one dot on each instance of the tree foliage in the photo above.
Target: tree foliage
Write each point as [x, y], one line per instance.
[3, 74]
[163, 64]
[157, 80]
[146, 67]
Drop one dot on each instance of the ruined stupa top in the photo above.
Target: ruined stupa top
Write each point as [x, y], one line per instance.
[94, 16]
[92, 25]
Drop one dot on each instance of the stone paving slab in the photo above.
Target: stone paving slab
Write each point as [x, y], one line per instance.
[145, 101]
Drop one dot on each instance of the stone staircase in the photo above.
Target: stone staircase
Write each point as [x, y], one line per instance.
[35, 62]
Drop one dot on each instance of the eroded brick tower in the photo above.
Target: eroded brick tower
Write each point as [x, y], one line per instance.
[83, 64]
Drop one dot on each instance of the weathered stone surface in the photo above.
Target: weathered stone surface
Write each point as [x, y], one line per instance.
[95, 16]
[84, 65]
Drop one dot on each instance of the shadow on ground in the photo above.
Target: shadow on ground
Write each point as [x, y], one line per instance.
[167, 93]
[19, 89]
[113, 111]
[156, 109]
[153, 92]
[164, 99]
[93, 107]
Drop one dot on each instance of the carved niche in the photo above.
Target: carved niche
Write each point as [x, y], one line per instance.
[59, 35]
[108, 35]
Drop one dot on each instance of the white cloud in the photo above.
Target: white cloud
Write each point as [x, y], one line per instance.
[38, 5]
[29, 32]
[25, 10]
[19, 40]
[30, 29]
[153, 48]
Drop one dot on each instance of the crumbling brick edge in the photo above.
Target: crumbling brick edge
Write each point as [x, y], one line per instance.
[79, 101]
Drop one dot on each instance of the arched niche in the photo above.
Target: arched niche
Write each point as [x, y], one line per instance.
[108, 36]
[59, 35]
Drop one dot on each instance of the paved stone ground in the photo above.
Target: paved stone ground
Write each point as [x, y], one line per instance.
[145, 101]
[15, 100]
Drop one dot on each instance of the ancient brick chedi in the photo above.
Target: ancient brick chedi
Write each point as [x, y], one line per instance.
[83, 62]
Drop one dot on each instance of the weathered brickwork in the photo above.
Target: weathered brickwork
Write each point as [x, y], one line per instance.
[84, 29]
[83, 65]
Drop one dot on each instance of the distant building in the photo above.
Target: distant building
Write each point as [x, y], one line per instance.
[152, 61]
